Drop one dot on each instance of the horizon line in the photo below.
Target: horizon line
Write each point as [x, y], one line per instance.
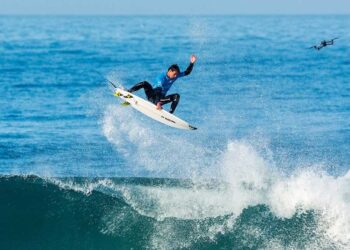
[174, 15]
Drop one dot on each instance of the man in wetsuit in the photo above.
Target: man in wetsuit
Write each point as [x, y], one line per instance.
[158, 93]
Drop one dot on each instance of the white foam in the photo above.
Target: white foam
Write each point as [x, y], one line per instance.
[329, 196]
[307, 189]
[161, 203]
[83, 187]
[138, 139]
[251, 179]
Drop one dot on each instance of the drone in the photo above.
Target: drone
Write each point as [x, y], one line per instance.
[323, 44]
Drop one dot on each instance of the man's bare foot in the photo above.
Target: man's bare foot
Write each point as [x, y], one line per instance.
[159, 106]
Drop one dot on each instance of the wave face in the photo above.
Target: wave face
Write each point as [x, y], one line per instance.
[146, 213]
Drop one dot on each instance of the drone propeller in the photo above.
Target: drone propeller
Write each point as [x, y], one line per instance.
[334, 38]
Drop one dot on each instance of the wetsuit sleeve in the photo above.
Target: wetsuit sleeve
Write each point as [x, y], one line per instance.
[187, 71]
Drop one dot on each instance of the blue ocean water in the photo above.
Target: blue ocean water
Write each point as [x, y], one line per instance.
[271, 151]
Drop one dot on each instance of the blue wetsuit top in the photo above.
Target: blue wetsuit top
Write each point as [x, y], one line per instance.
[165, 83]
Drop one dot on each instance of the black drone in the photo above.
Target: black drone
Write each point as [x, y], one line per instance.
[323, 44]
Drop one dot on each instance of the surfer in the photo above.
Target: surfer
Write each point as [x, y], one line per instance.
[157, 93]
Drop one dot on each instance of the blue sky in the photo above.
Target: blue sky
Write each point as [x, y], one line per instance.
[176, 7]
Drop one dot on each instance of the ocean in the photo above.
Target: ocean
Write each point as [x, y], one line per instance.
[268, 167]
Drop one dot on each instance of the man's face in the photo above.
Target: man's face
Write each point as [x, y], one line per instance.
[172, 73]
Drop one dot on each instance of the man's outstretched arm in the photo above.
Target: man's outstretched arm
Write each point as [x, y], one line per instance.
[190, 67]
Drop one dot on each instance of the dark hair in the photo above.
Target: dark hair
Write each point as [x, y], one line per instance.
[174, 67]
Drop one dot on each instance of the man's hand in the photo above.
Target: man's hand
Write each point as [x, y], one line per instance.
[193, 59]
[159, 106]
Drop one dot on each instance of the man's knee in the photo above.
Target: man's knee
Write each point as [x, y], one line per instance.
[146, 84]
[140, 85]
[176, 97]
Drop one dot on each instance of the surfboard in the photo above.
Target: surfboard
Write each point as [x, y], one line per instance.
[150, 110]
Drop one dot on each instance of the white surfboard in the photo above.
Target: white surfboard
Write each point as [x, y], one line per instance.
[151, 110]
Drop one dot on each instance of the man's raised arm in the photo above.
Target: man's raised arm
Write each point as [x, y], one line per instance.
[190, 67]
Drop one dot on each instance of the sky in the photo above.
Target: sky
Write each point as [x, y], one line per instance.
[172, 7]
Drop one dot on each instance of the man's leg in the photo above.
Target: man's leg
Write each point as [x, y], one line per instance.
[146, 86]
[174, 99]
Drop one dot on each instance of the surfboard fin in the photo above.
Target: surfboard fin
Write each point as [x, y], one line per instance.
[125, 104]
[193, 128]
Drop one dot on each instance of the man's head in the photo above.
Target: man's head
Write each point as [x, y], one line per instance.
[173, 71]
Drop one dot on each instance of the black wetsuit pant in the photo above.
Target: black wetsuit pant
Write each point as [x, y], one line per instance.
[155, 95]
